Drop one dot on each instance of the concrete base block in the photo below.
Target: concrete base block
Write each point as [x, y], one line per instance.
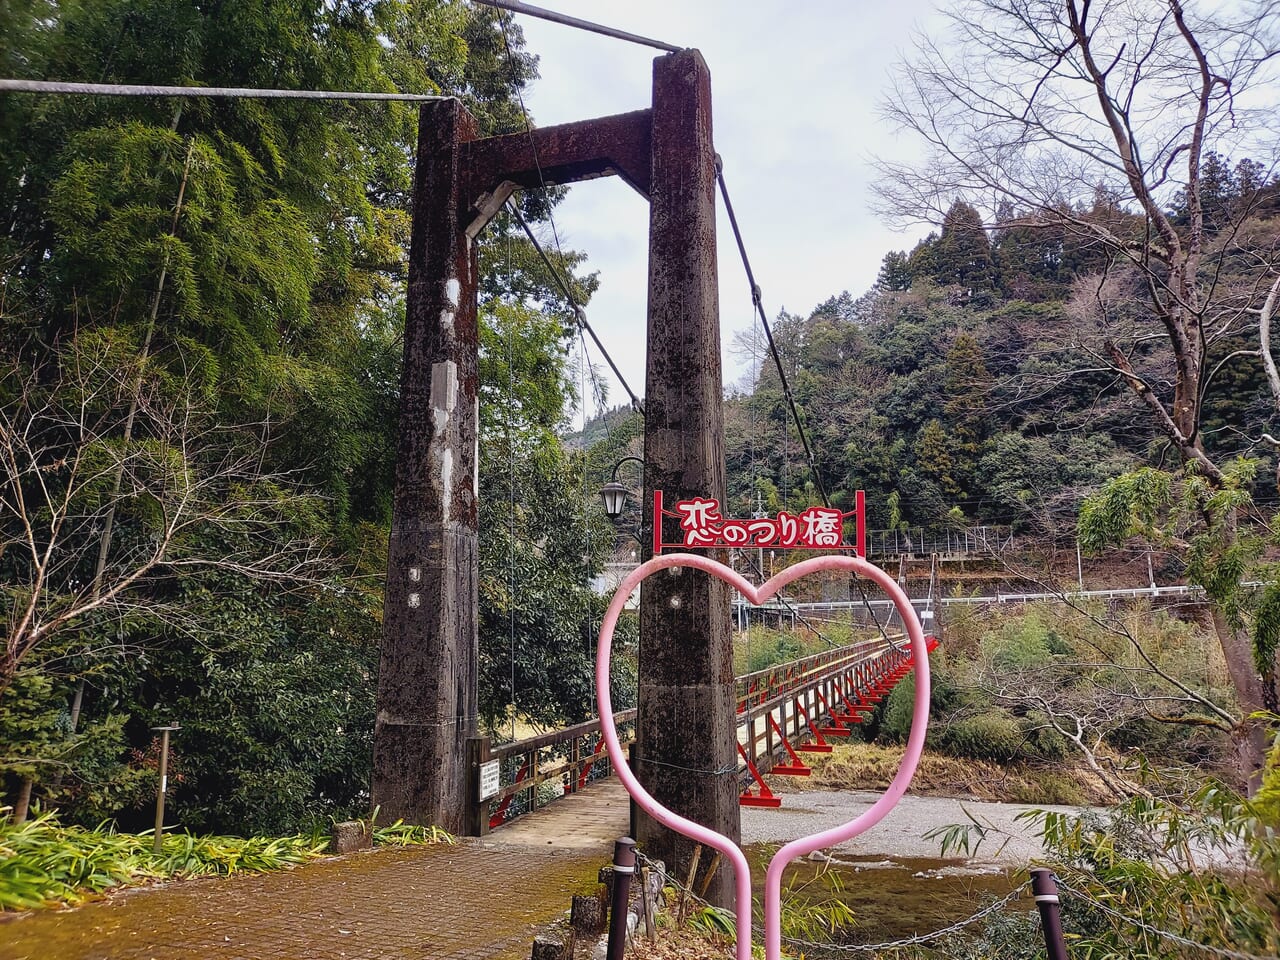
[554, 946]
[350, 836]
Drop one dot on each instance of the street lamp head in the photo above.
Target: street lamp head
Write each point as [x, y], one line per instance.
[614, 497]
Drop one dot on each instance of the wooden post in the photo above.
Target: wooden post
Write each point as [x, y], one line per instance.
[427, 697]
[477, 824]
[686, 665]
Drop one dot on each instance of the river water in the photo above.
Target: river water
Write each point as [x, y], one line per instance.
[893, 878]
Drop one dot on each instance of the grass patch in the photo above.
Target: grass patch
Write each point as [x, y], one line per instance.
[868, 766]
[46, 864]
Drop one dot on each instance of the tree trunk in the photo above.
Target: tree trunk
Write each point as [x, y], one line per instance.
[23, 803]
[1250, 748]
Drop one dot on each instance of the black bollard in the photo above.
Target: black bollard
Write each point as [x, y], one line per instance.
[624, 865]
[1045, 890]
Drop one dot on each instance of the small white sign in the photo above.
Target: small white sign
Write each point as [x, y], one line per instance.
[489, 779]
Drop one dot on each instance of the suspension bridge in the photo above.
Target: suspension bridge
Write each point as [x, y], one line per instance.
[783, 712]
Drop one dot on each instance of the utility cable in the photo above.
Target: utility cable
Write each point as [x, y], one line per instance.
[515, 6]
[250, 93]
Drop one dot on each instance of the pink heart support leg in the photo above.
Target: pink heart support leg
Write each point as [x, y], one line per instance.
[805, 845]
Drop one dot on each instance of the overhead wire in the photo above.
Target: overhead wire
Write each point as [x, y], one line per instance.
[515, 6]
[12, 85]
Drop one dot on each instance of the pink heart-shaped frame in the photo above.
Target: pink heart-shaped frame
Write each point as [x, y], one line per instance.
[805, 845]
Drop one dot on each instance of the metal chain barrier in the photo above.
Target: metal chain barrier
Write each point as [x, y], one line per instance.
[1164, 934]
[872, 948]
[956, 927]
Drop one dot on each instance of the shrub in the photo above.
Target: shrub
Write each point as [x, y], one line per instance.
[1022, 643]
[895, 716]
[1042, 742]
[43, 863]
[994, 735]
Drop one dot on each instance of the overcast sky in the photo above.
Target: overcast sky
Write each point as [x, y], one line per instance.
[795, 88]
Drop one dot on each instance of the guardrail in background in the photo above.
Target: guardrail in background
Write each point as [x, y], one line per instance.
[921, 542]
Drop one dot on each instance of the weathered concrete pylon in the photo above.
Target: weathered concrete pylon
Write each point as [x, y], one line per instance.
[427, 697]
[427, 682]
[686, 745]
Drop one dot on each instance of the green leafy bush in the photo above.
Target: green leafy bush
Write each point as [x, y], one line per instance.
[43, 863]
[994, 735]
[1022, 643]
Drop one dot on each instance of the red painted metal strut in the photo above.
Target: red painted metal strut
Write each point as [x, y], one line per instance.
[819, 745]
[766, 797]
[586, 767]
[797, 767]
[499, 816]
[837, 727]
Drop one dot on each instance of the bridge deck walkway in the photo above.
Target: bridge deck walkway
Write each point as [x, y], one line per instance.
[476, 900]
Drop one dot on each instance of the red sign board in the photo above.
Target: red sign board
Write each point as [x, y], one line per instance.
[814, 528]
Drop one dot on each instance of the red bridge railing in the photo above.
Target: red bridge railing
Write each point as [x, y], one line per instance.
[783, 711]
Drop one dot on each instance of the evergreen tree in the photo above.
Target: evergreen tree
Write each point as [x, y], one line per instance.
[963, 253]
[895, 272]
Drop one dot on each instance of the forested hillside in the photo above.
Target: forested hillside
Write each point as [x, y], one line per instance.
[965, 387]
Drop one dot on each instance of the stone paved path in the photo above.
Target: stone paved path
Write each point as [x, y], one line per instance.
[476, 900]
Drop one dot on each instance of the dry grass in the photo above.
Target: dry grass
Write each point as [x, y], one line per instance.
[866, 766]
[675, 944]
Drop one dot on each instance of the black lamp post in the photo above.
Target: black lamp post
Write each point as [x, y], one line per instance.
[614, 494]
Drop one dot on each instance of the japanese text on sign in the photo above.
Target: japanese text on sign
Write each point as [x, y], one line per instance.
[815, 528]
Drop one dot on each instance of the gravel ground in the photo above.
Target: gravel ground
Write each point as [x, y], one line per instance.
[901, 833]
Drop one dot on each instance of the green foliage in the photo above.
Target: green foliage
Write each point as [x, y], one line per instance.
[1208, 523]
[1130, 505]
[994, 735]
[713, 921]
[401, 834]
[545, 535]
[1146, 865]
[248, 258]
[277, 711]
[1022, 643]
[763, 647]
[44, 864]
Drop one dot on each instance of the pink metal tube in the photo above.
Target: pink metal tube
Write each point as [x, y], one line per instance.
[889, 799]
[728, 849]
[701, 834]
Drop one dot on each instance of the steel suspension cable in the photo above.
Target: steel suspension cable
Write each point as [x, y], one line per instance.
[511, 520]
[515, 6]
[248, 93]
[579, 313]
[787, 603]
[560, 280]
[757, 300]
